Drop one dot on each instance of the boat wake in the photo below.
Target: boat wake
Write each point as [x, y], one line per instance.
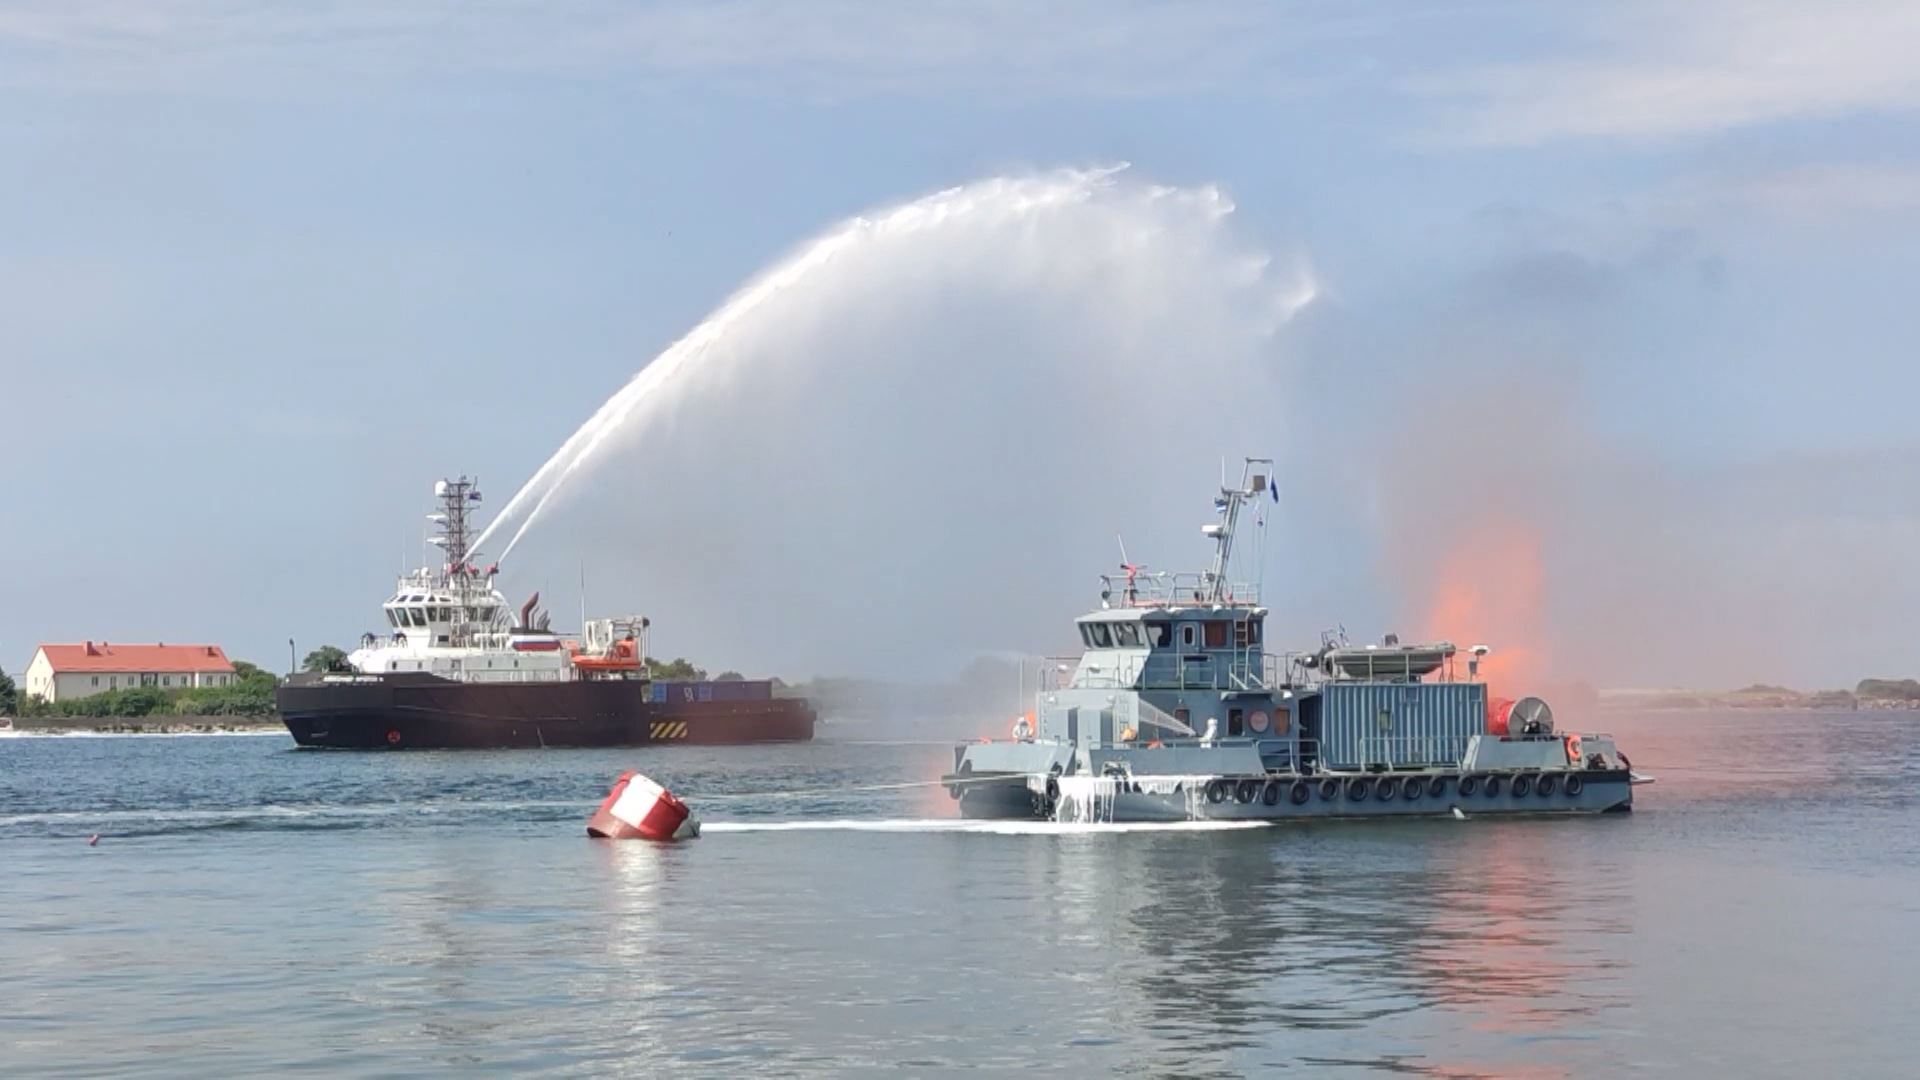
[964, 825]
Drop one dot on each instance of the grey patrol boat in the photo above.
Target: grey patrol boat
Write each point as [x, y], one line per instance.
[1176, 711]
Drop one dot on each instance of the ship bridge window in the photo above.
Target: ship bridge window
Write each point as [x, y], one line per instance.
[1216, 634]
[1126, 635]
[1159, 634]
[1187, 635]
[1246, 633]
[1102, 637]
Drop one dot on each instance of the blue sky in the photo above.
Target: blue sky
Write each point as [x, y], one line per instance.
[267, 270]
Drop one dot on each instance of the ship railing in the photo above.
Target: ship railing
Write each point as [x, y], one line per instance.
[1396, 751]
[1168, 589]
[1241, 670]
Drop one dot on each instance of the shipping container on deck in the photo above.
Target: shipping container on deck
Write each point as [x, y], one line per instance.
[731, 690]
[1399, 725]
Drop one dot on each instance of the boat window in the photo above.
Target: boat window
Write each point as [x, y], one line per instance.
[1236, 722]
[1242, 634]
[1216, 634]
[1187, 637]
[1126, 635]
[1159, 634]
[1086, 635]
[1102, 638]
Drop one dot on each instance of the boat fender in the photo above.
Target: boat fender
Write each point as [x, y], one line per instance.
[1416, 787]
[1522, 785]
[1468, 784]
[1299, 793]
[1270, 794]
[1216, 791]
[1358, 789]
[1245, 790]
[639, 809]
[1493, 787]
[1545, 786]
[1389, 789]
[1575, 785]
[393, 738]
[1437, 786]
[1329, 790]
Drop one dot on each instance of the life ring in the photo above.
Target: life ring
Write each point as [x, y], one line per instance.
[1468, 784]
[1329, 790]
[1300, 793]
[1575, 785]
[1545, 786]
[1216, 791]
[1389, 789]
[1270, 794]
[1245, 790]
[1522, 784]
[1414, 789]
[1573, 750]
[1437, 786]
[1359, 788]
[1493, 787]
[393, 738]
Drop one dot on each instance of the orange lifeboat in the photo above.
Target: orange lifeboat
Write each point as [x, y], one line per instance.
[624, 656]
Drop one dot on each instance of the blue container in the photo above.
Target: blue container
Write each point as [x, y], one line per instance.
[687, 693]
[1399, 724]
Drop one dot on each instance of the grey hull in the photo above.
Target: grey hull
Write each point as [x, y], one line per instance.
[1274, 799]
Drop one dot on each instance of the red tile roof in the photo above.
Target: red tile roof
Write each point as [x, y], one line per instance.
[100, 656]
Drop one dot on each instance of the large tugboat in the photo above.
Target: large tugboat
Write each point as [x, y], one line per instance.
[457, 670]
[1175, 711]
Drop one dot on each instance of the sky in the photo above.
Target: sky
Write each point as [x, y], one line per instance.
[1585, 330]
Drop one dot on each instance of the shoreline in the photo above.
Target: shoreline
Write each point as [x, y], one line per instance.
[147, 725]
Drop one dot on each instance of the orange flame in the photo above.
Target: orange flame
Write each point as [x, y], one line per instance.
[1488, 590]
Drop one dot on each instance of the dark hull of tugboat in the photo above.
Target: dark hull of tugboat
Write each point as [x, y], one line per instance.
[411, 711]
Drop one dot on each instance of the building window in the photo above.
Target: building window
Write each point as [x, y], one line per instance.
[96, 680]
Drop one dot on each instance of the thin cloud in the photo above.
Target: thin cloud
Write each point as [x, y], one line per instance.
[1651, 71]
[830, 48]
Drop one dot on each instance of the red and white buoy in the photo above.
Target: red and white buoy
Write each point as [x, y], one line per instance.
[639, 809]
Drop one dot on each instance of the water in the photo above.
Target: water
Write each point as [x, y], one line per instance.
[253, 909]
[1041, 244]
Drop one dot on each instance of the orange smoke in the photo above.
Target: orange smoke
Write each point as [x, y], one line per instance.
[1488, 590]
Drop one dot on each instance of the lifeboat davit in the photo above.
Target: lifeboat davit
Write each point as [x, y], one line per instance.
[639, 809]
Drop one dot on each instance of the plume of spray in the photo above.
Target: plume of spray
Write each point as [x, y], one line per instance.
[991, 203]
[984, 383]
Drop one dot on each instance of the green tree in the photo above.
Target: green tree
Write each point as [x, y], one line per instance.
[9, 695]
[324, 658]
[729, 676]
[250, 675]
[678, 669]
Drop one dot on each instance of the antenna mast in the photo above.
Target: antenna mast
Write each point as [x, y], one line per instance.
[1255, 476]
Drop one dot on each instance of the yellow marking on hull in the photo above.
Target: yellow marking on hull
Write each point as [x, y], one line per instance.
[667, 729]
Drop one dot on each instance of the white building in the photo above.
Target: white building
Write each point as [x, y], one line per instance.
[61, 672]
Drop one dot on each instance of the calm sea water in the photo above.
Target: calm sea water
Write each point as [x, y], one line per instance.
[253, 909]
